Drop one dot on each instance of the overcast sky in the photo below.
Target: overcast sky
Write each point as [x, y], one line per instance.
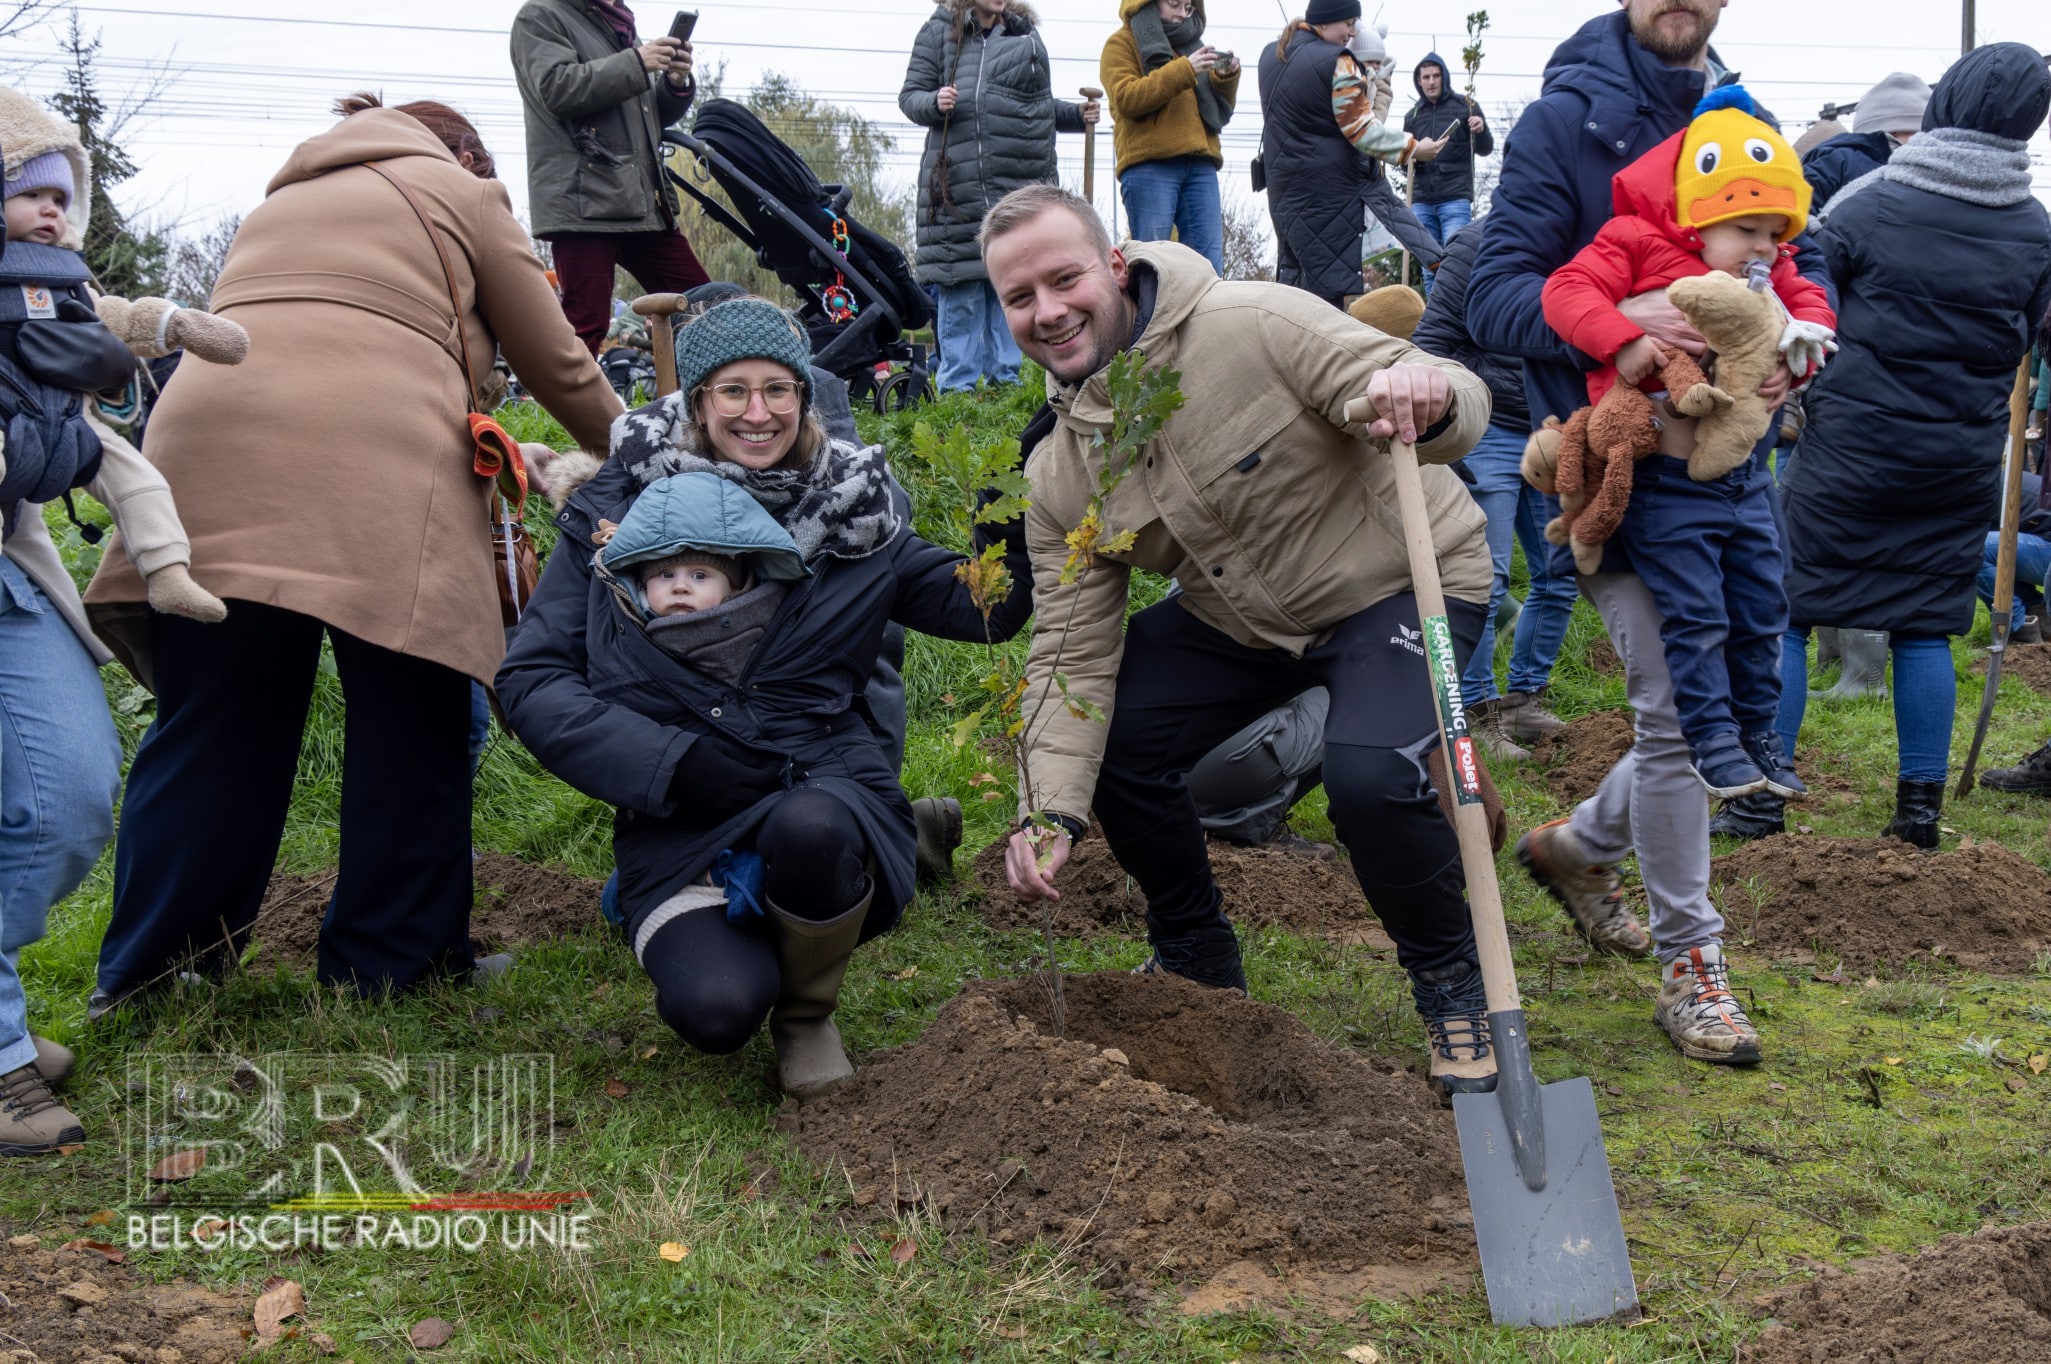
[248, 79]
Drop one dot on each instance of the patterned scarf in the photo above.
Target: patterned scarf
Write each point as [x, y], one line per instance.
[1160, 44]
[618, 18]
[837, 505]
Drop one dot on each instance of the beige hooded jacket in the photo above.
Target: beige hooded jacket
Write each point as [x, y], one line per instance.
[1275, 514]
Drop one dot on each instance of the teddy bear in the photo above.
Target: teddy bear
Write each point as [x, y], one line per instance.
[1586, 461]
[1743, 327]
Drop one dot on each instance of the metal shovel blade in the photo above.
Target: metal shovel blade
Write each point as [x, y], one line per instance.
[1553, 1256]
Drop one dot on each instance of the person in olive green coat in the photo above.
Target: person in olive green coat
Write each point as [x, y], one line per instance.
[596, 99]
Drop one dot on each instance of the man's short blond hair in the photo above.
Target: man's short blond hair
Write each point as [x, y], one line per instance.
[1021, 206]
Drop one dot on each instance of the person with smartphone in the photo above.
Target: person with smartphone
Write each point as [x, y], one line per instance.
[596, 97]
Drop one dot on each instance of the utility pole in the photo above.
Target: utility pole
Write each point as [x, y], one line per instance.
[1966, 43]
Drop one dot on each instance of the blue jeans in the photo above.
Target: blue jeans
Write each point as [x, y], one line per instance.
[1442, 221]
[1925, 695]
[1179, 194]
[975, 343]
[1710, 555]
[1515, 508]
[2032, 565]
[60, 770]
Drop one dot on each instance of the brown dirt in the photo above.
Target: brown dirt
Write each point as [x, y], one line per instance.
[1232, 1133]
[1981, 1299]
[1263, 888]
[518, 903]
[73, 1307]
[1602, 657]
[2029, 664]
[1866, 901]
[1577, 758]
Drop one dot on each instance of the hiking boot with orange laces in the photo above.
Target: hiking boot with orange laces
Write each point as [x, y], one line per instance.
[1591, 892]
[31, 1119]
[1698, 1010]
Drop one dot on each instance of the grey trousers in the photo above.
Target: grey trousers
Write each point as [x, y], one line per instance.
[1651, 801]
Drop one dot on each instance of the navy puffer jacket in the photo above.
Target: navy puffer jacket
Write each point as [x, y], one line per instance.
[1443, 331]
[1843, 159]
[999, 137]
[1899, 471]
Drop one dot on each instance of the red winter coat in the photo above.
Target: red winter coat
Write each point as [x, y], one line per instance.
[1645, 247]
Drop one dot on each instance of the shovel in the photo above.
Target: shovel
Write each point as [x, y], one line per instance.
[2004, 570]
[1089, 152]
[1538, 1180]
[659, 309]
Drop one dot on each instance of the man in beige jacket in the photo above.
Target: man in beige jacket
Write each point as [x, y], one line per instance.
[1277, 519]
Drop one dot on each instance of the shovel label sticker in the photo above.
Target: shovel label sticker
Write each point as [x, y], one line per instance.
[1445, 683]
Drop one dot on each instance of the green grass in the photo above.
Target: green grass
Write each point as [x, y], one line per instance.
[1876, 1122]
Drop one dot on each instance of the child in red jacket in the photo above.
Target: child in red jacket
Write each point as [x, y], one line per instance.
[1722, 194]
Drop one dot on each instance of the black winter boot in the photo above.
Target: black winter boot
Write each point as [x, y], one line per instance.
[1917, 805]
[1758, 815]
[2030, 777]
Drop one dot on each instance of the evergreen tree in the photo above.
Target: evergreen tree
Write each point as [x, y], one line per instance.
[125, 262]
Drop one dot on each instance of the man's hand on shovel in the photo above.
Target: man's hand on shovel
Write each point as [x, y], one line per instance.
[1407, 399]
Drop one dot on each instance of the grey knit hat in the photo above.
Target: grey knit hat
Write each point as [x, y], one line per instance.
[1893, 106]
[742, 329]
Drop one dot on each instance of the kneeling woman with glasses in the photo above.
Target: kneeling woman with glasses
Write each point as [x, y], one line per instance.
[733, 739]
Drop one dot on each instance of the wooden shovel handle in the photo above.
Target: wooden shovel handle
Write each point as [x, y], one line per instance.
[1470, 822]
[658, 309]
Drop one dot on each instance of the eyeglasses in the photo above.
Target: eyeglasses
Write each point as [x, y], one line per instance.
[780, 396]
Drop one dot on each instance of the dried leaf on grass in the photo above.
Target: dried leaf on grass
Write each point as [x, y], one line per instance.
[180, 1166]
[617, 1089]
[281, 1298]
[103, 1218]
[1363, 1354]
[902, 1252]
[431, 1334]
[673, 1251]
[112, 1255]
[2037, 1064]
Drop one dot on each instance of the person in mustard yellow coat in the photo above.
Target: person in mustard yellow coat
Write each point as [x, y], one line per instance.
[1171, 94]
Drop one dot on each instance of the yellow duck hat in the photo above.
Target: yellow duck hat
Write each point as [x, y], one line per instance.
[1733, 164]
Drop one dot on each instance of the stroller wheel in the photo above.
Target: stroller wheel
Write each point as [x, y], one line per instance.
[906, 388]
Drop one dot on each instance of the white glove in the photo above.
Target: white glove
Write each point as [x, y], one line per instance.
[1804, 345]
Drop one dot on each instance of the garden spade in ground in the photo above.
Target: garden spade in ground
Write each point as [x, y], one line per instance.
[1538, 1180]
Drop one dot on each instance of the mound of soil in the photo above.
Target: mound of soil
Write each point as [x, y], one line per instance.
[1982, 1299]
[1602, 657]
[67, 1306]
[517, 903]
[1178, 1131]
[1264, 887]
[1866, 901]
[1577, 758]
[2029, 664]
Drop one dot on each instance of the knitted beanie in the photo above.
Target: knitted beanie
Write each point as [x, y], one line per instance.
[50, 170]
[1330, 11]
[1894, 106]
[1734, 165]
[742, 329]
[1394, 309]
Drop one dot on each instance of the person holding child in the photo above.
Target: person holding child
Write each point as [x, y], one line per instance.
[696, 655]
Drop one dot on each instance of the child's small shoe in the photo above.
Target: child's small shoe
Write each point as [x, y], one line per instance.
[1765, 752]
[1728, 771]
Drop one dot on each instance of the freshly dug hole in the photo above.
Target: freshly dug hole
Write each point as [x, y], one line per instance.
[1868, 901]
[1980, 1299]
[1230, 1132]
[62, 1306]
[1264, 887]
[1577, 758]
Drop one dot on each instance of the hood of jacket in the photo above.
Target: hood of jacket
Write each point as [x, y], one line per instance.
[1645, 189]
[1018, 17]
[1181, 279]
[1622, 82]
[703, 512]
[373, 135]
[28, 130]
[1445, 78]
[2003, 89]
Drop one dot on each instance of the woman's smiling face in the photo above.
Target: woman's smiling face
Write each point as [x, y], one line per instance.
[758, 438]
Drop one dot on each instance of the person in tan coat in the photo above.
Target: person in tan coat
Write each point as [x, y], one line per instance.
[1275, 513]
[327, 488]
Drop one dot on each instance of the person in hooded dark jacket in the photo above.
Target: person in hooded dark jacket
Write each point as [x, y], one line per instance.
[1442, 189]
[1622, 84]
[1887, 116]
[1943, 268]
[783, 762]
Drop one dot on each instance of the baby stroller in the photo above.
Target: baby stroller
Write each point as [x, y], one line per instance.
[859, 297]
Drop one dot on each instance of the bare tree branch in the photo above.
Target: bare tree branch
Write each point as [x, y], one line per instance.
[17, 17]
